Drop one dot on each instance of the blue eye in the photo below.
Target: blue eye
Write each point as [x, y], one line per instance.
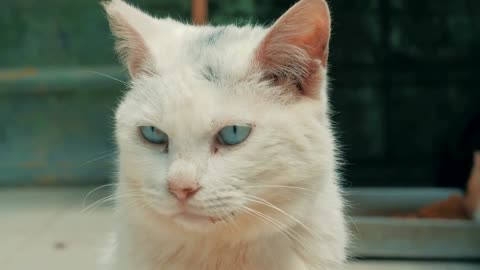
[231, 135]
[154, 135]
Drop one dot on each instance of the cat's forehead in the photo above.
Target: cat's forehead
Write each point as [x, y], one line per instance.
[184, 98]
[213, 52]
[201, 81]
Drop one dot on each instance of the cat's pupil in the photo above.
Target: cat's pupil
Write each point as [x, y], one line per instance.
[234, 134]
[154, 135]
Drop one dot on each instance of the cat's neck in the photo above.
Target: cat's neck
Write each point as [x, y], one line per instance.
[213, 250]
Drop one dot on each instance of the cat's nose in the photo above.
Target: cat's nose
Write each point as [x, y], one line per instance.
[183, 190]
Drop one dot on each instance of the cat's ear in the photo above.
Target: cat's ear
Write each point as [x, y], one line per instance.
[130, 26]
[295, 50]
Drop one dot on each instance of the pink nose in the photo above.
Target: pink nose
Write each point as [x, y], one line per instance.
[183, 190]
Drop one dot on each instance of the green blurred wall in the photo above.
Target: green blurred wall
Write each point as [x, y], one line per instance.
[404, 79]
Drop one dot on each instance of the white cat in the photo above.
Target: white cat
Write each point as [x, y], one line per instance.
[226, 155]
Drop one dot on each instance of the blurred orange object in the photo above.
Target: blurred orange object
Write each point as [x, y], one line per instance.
[456, 206]
[472, 200]
[451, 208]
[199, 11]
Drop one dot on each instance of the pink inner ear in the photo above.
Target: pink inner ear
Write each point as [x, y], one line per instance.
[130, 45]
[306, 25]
[131, 48]
[297, 44]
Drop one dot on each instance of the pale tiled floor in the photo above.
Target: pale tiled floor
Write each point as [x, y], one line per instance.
[45, 229]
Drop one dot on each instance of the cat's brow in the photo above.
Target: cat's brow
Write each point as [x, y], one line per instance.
[216, 125]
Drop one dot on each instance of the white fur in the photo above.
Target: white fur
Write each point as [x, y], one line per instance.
[288, 161]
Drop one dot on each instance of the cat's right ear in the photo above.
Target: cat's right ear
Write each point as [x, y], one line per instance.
[295, 50]
[130, 26]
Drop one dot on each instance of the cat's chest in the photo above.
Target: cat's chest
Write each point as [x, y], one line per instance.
[217, 260]
[141, 253]
[235, 260]
[293, 264]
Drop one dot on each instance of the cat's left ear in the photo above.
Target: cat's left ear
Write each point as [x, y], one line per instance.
[130, 26]
[294, 53]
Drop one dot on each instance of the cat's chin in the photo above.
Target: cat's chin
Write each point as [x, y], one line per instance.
[193, 222]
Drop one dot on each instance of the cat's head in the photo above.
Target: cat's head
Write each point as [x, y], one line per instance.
[224, 126]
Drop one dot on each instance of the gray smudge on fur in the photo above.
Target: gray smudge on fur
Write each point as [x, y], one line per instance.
[207, 43]
[213, 37]
[210, 73]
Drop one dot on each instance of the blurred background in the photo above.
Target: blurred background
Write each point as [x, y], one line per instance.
[405, 92]
[404, 78]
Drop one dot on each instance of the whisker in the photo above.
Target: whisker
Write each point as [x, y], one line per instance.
[146, 203]
[248, 211]
[279, 225]
[106, 199]
[107, 76]
[98, 158]
[95, 189]
[280, 186]
[97, 203]
[150, 191]
[269, 204]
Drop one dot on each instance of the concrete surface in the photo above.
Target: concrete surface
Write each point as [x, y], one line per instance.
[45, 229]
